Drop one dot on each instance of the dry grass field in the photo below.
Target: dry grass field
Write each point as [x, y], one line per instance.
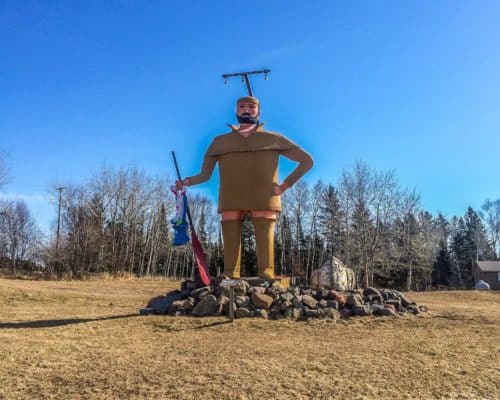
[85, 340]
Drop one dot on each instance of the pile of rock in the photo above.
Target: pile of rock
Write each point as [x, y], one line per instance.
[274, 302]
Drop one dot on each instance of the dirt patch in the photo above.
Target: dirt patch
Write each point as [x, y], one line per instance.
[85, 340]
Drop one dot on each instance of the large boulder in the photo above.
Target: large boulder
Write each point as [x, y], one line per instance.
[262, 300]
[242, 312]
[361, 310]
[208, 305]
[333, 274]
[160, 304]
[242, 301]
[309, 301]
[182, 306]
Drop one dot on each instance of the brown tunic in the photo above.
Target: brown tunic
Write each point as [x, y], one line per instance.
[248, 168]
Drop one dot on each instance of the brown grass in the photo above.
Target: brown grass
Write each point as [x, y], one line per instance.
[82, 340]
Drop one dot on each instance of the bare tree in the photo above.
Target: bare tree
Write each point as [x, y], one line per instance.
[373, 198]
[20, 238]
[491, 215]
[410, 205]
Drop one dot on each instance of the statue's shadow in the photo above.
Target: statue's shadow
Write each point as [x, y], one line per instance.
[52, 323]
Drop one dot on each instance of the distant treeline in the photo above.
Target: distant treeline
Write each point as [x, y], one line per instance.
[119, 222]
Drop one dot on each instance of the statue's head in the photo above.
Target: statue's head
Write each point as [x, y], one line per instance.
[248, 110]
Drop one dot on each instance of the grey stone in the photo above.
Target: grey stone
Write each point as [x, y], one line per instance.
[260, 313]
[297, 313]
[371, 291]
[297, 301]
[322, 304]
[257, 289]
[185, 293]
[161, 303]
[376, 307]
[309, 301]
[404, 300]
[271, 292]
[242, 312]
[331, 313]
[311, 313]
[287, 296]
[332, 294]
[396, 303]
[354, 300]
[172, 292]
[384, 312]
[221, 291]
[198, 292]
[307, 292]
[288, 313]
[242, 301]
[274, 311]
[182, 306]
[286, 305]
[413, 308]
[241, 288]
[321, 293]
[208, 305]
[332, 304]
[262, 300]
[361, 310]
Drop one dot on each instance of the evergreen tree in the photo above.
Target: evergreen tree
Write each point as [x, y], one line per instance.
[330, 221]
[442, 268]
[248, 253]
[469, 245]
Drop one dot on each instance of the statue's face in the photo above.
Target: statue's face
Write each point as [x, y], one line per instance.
[247, 108]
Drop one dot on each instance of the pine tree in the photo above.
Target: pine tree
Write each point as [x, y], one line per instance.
[330, 221]
[248, 253]
[442, 268]
[469, 245]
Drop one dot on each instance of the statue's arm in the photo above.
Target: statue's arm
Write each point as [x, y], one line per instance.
[305, 164]
[206, 171]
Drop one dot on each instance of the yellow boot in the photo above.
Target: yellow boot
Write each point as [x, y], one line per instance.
[264, 239]
[231, 235]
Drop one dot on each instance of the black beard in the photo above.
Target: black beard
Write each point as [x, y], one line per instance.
[247, 119]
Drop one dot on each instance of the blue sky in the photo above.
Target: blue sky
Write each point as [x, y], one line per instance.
[411, 86]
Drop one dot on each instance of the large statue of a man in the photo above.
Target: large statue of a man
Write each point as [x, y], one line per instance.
[248, 168]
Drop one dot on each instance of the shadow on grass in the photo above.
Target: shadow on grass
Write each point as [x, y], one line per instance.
[51, 323]
[213, 324]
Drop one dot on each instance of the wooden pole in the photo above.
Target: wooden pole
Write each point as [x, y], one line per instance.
[231, 303]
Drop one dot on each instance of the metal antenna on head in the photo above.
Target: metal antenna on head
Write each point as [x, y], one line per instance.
[244, 77]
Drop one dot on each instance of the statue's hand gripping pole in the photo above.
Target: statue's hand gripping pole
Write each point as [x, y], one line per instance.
[198, 252]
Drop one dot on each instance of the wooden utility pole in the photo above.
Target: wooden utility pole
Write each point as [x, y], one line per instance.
[59, 189]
